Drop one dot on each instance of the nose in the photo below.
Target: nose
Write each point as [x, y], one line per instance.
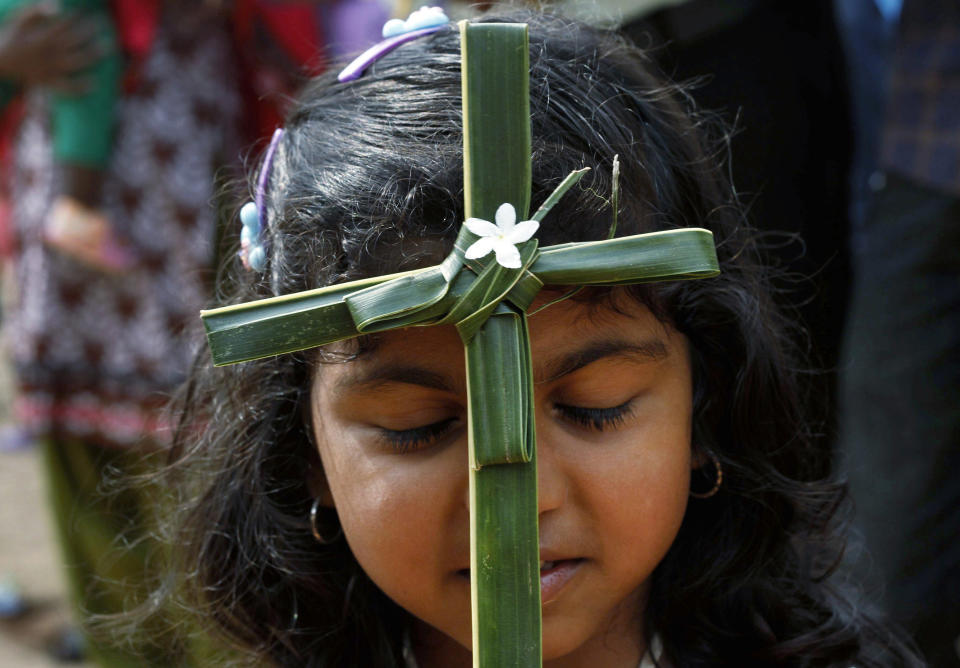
[552, 480]
[552, 483]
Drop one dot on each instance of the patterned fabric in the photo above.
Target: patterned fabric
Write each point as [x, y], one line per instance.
[921, 139]
[95, 355]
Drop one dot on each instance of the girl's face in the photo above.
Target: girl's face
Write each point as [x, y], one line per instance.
[613, 418]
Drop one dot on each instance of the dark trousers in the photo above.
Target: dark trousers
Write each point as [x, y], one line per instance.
[900, 411]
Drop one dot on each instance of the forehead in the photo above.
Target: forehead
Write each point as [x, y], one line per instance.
[563, 336]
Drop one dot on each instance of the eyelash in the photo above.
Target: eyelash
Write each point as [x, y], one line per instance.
[409, 440]
[597, 419]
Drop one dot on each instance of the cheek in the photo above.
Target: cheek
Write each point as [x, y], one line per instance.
[660, 484]
[395, 510]
[655, 499]
[373, 511]
[641, 496]
[663, 487]
[376, 504]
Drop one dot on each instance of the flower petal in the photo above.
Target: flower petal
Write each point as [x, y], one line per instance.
[480, 247]
[507, 254]
[506, 217]
[522, 231]
[482, 228]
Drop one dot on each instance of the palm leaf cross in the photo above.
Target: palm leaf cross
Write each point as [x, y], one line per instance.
[487, 303]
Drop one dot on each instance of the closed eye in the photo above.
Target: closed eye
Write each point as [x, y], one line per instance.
[409, 440]
[597, 419]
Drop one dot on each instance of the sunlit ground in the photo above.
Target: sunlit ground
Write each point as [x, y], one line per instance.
[27, 553]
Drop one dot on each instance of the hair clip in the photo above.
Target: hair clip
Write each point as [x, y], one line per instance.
[253, 215]
[424, 21]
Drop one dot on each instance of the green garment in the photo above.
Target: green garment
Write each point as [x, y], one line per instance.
[8, 91]
[82, 124]
[110, 557]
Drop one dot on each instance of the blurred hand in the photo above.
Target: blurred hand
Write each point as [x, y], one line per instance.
[40, 48]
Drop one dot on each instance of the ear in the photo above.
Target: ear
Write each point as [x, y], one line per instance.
[319, 487]
[699, 459]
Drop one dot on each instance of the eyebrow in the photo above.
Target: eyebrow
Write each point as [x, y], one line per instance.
[651, 350]
[384, 374]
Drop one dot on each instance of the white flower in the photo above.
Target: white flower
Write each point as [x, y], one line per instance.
[501, 238]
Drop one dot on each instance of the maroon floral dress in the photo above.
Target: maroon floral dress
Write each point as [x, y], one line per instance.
[96, 356]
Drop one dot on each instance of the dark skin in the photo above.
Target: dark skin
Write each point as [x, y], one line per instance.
[38, 47]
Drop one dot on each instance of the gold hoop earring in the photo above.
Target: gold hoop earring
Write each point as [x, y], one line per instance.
[323, 540]
[716, 485]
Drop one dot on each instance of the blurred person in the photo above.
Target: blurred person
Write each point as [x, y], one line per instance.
[774, 72]
[900, 382]
[97, 356]
[94, 354]
[279, 44]
[82, 111]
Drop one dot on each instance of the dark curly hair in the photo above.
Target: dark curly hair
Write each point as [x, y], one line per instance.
[368, 180]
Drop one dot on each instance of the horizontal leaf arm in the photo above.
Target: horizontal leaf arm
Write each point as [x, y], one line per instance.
[314, 318]
[685, 253]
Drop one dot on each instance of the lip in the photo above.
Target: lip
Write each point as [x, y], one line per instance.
[552, 581]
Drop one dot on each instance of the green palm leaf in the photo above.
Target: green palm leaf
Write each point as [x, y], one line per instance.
[488, 305]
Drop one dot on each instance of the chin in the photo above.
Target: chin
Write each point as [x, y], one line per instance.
[556, 643]
[559, 642]
[459, 638]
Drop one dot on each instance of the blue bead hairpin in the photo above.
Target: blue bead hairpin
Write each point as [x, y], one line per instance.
[253, 215]
[424, 21]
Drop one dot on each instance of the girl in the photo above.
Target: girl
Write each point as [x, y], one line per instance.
[645, 397]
